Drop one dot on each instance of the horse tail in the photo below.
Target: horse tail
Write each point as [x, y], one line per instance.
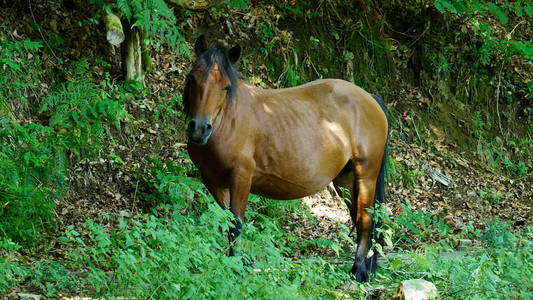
[379, 195]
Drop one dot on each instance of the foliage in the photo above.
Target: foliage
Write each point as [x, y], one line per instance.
[33, 156]
[514, 157]
[20, 73]
[482, 7]
[237, 4]
[485, 49]
[410, 227]
[497, 270]
[184, 257]
[31, 172]
[81, 108]
[178, 250]
[154, 17]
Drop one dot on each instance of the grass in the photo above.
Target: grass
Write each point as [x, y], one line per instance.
[178, 250]
[169, 255]
[174, 256]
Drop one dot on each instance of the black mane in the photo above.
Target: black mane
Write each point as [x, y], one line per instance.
[215, 54]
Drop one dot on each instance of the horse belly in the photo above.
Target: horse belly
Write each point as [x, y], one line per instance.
[274, 187]
[301, 170]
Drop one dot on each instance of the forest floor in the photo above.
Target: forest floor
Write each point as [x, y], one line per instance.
[450, 184]
[436, 176]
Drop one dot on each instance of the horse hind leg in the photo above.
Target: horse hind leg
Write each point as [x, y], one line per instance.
[358, 192]
[345, 187]
[370, 182]
[364, 224]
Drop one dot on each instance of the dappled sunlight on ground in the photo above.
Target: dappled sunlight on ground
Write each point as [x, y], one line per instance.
[327, 208]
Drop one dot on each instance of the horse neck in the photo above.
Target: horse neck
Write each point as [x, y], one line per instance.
[236, 109]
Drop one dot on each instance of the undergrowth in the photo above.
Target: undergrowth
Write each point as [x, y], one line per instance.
[76, 117]
[178, 247]
[167, 254]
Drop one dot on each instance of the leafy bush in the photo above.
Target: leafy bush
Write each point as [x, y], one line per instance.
[79, 112]
[32, 170]
[500, 269]
[184, 257]
[409, 226]
[20, 74]
[33, 156]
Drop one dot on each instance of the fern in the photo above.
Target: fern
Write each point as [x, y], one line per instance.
[79, 110]
[156, 19]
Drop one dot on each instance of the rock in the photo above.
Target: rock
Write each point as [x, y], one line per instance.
[464, 244]
[437, 176]
[23, 296]
[416, 289]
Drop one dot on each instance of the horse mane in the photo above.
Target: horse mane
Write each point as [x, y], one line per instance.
[205, 61]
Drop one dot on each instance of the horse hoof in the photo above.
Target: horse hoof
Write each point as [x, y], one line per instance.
[359, 273]
[360, 276]
[247, 263]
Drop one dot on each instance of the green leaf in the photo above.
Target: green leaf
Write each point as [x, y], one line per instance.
[439, 7]
[32, 45]
[528, 9]
[422, 262]
[498, 12]
[412, 228]
[11, 64]
[396, 264]
[75, 116]
[448, 5]
[56, 119]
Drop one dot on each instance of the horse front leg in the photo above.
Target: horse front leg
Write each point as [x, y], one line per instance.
[221, 195]
[241, 182]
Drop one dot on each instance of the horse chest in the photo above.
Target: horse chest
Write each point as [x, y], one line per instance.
[215, 166]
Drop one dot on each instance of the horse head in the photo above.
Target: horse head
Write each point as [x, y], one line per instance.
[210, 85]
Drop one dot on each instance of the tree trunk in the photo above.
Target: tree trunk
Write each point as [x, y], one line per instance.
[146, 60]
[132, 54]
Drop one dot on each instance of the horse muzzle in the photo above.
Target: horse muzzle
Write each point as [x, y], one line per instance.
[199, 130]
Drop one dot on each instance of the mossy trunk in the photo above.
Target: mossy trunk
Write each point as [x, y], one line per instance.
[132, 54]
[114, 33]
[146, 60]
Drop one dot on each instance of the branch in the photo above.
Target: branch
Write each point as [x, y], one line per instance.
[194, 4]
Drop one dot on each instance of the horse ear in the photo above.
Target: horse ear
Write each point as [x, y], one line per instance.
[200, 46]
[234, 54]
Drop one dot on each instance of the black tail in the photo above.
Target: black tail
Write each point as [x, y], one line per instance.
[379, 195]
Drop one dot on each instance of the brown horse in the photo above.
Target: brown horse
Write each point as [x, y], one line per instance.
[285, 143]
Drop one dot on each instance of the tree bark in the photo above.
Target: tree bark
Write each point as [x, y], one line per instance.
[132, 54]
[146, 60]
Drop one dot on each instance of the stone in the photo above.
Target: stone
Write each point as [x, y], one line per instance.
[416, 289]
[23, 296]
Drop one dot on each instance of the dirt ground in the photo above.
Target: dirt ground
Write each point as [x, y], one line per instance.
[438, 179]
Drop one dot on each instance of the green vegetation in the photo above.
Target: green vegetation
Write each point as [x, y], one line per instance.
[460, 66]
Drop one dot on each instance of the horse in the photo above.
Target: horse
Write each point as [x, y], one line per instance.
[285, 143]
